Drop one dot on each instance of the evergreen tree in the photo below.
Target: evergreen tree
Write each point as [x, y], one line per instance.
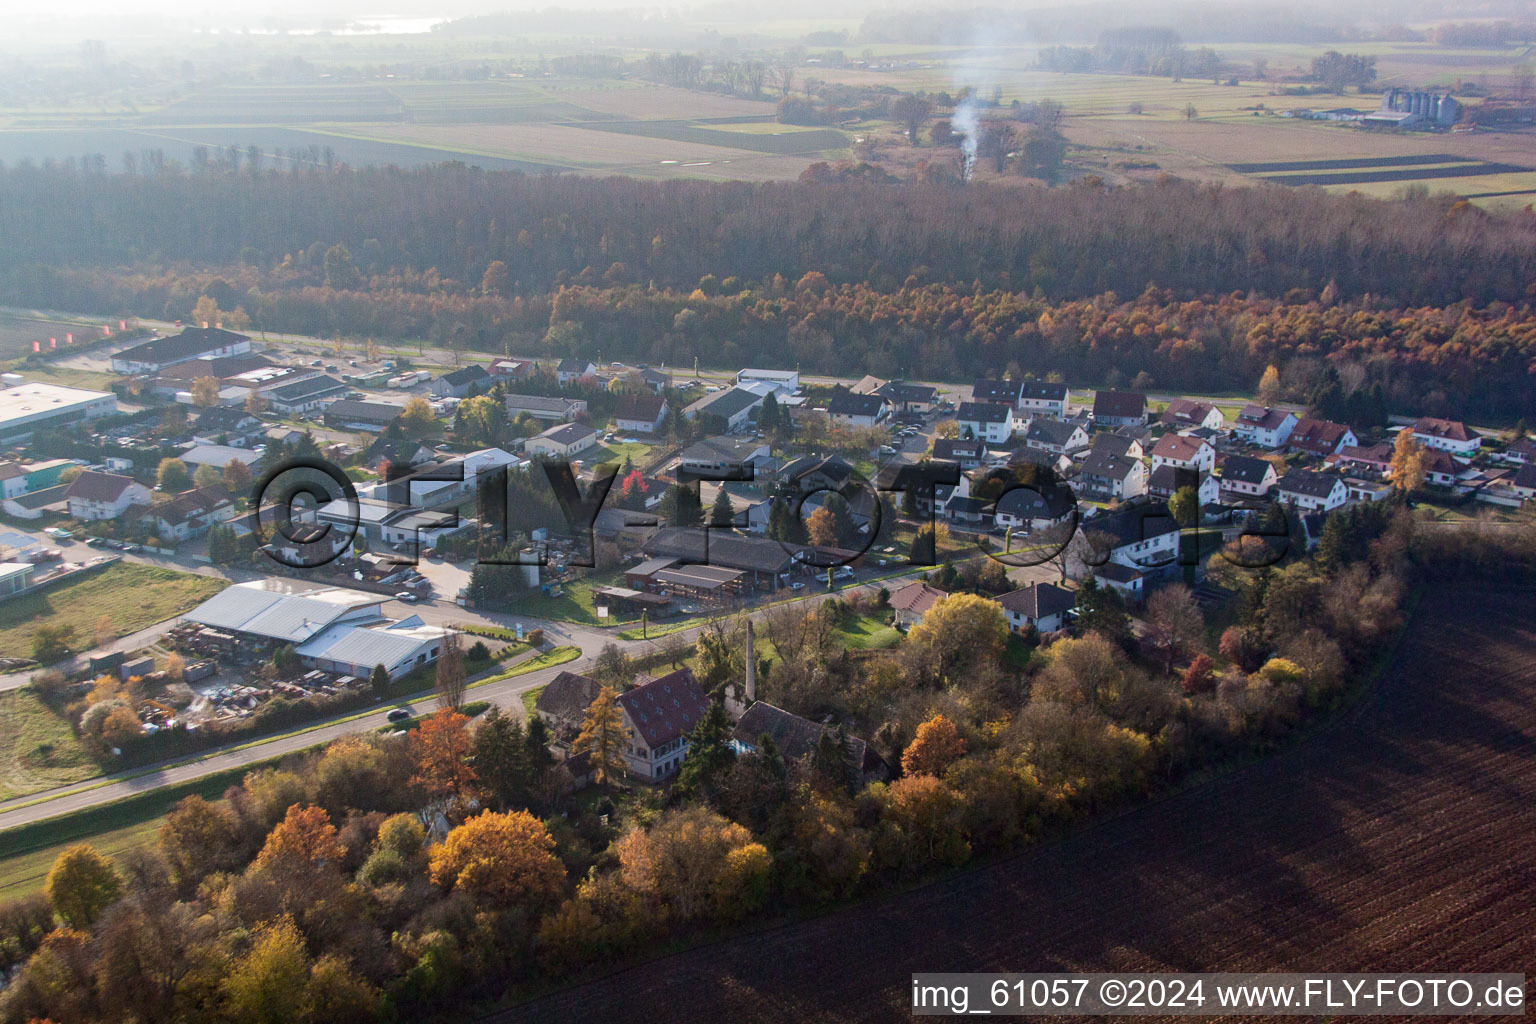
[379, 680]
[721, 513]
[680, 506]
[709, 755]
[832, 759]
[501, 759]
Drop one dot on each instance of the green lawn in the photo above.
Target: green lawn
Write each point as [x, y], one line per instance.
[23, 874]
[868, 633]
[573, 605]
[129, 595]
[531, 698]
[38, 749]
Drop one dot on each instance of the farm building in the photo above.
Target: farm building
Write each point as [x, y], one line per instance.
[192, 343]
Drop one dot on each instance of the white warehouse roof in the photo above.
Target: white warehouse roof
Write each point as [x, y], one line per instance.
[362, 647]
[280, 609]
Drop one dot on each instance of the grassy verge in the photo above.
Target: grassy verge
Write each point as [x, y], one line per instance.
[127, 596]
[38, 749]
[867, 633]
[530, 698]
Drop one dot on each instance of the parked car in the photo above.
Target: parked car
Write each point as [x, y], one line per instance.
[59, 533]
[797, 585]
[843, 572]
[129, 548]
[407, 597]
[96, 542]
[398, 715]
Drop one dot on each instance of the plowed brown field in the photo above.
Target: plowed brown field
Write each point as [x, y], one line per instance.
[1401, 837]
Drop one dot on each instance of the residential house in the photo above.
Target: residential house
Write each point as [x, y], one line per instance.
[796, 739]
[1166, 480]
[1247, 476]
[1057, 436]
[657, 380]
[908, 398]
[191, 513]
[572, 369]
[639, 414]
[397, 453]
[850, 410]
[552, 409]
[1027, 508]
[94, 496]
[1321, 438]
[1376, 458]
[1186, 413]
[658, 716]
[736, 406]
[719, 458]
[809, 474]
[462, 383]
[224, 425]
[1025, 455]
[992, 422]
[1140, 536]
[967, 510]
[1109, 477]
[968, 453]
[562, 441]
[1119, 409]
[997, 392]
[1041, 606]
[1313, 491]
[766, 562]
[193, 343]
[1447, 435]
[911, 602]
[1129, 582]
[562, 704]
[1521, 450]
[1524, 482]
[306, 395]
[512, 369]
[218, 456]
[1440, 468]
[1182, 452]
[1043, 398]
[1117, 443]
[1263, 426]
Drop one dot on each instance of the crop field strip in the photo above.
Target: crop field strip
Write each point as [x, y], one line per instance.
[1473, 169]
[787, 144]
[1394, 839]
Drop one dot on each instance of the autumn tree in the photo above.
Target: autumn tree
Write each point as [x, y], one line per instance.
[1409, 462]
[198, 837]
[1269, 390]
[936, 746]
[822, 528]
[692, 862]
[255, 403]
[603, 737]
[81, 884]
[207, 476]
[439, 748]
[1199, 677]
[205, 392]
[1184, 506]
[496, 280]
[962, 629]
[417, 418]
[912, 112]
[304, 838]
[506, 859]
[269, 984]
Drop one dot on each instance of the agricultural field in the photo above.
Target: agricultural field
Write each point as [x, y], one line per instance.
[128, 595]
[19, 330]
[1396, 838]
[38, 749]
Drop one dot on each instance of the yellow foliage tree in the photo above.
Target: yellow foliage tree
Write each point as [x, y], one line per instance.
[81, 884]
[506, 858]
[1409, 462]
[688, 862]
[305, 836]
[821, 526]
[962, 629]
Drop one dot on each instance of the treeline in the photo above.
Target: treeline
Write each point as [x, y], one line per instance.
[1460, 360]
[448, 223]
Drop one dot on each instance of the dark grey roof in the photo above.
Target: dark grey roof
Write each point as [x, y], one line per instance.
[1526, 476]
[719, 548]
[795, 737]
[846, 403]
[1134, 524]
[222, 418]
[965, 503]
[900, 391]
[1309, 483]
[982, 412]
[1052, 432]
[721, 449]
[1006, 391]
[1126, 405]
[571, 364]
[568, 696]
[1114, 443]
[832, 467]
[539, 403]
[1050, 502]
[726, 403]
[1039, 601]
[955, 448]
[471, 374]
[367, 412]
[309, 387]
[190, 343]
[567, 433]
[1107, 464]
[1046, 391]
[1245, 469]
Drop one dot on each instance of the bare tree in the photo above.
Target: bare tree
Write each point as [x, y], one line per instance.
[450, 674]
[1174, 623]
